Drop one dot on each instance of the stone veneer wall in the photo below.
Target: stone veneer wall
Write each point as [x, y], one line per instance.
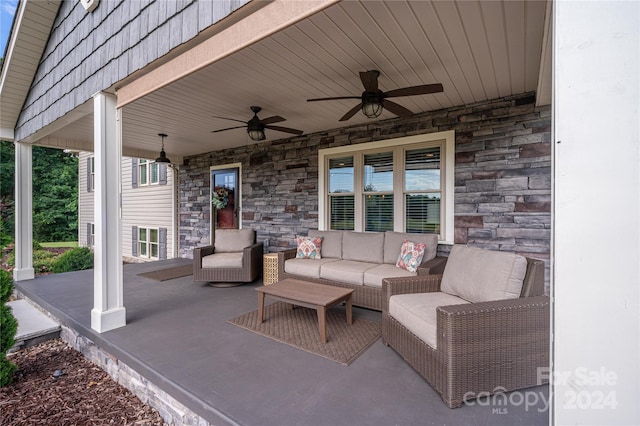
[502, 178]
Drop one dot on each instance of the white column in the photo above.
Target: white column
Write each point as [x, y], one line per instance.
[23, 213]
[108, 310]
[596, 271]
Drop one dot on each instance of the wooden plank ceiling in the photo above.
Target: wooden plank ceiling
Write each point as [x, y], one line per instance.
[478, 50]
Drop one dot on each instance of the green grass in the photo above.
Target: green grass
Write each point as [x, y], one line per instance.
[58, 244]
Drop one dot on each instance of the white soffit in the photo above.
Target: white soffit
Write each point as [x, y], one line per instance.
[477, 49]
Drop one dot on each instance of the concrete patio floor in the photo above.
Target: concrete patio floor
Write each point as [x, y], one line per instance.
[178, 338]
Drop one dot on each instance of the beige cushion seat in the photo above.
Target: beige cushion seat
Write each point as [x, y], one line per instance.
[222, 260]
[373, 277]
[307, 267]
[348, 271]
[417, 312]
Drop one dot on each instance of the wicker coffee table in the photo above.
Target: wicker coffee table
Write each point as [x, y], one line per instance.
[310, 295]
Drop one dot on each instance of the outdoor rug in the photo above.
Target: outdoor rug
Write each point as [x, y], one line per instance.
[299, 328]
[169, 273]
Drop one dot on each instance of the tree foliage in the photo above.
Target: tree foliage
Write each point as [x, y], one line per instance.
[6, 193]
[55, 193]
[8, 328]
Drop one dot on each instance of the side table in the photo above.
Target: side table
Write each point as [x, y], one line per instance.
[270, 268]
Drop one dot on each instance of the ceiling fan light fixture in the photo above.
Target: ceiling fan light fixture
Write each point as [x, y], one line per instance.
[372, 109]
[255, 128]
[372, 104]
[256, 133]
[163, 156]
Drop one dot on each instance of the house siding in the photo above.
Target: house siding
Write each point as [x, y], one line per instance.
[89, 52]
[148, 206]
[85, 199]
[143, 206]
[502, 178]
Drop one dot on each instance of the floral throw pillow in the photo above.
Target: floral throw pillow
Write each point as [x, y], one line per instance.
[411, 255]
[309, 247]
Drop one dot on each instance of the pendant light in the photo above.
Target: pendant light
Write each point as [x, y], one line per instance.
[163, 156]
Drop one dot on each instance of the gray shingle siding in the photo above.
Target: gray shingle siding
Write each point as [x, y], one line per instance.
[89, 52]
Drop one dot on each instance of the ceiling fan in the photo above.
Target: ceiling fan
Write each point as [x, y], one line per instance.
[373, 100]
[255, 127]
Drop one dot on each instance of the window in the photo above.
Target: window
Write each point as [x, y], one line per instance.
[403, 184]
[148, 171]
[378, 191]
[91, 234]
[148, 243]
[92, 174]
[341, 193]
[422, 190]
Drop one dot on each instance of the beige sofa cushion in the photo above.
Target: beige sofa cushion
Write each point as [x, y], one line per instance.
[364, 246]
[306, 267]
[393, 243]
[346, 271]
[223, 260]
[417, 312]
[233, 240]
[479, 275]
[373, 277]
[331, 242]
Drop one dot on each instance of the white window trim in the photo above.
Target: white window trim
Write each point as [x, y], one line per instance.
[92, 236]
[148, 242]
[149, 164]
[447, 138]
[92, 173]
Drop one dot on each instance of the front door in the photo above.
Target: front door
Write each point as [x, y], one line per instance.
[225, 198]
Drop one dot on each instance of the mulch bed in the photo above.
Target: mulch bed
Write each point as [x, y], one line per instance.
[83, 395]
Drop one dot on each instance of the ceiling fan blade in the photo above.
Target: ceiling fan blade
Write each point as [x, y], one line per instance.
[271, 120]
[285, 129]
[398, 110]
[351, 112]
[414, 90]
[333, 99]
[227, 118]
[370, 80]
[228, 128]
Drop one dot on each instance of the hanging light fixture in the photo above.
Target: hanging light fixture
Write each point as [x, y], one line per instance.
[255, 128]
[163, 156]
[372, 103]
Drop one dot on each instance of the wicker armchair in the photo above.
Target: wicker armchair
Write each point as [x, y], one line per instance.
[234, 256]
[482, 348]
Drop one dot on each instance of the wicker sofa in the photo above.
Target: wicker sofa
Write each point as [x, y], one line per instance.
[359, 261]
[493, 340]
[233, 256]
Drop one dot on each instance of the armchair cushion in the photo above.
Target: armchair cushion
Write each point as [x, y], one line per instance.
[479, 275]
[417, 312]
[233, 240]
[223, 260]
